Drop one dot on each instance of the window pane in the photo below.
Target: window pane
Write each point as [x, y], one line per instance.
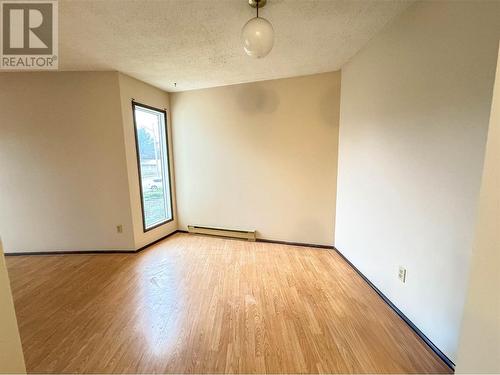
[153, 166]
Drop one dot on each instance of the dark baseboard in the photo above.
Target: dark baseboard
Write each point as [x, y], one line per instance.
[295, 243]
[265, 240]
[156, 241]
[95, 252]
[71, 252]
[429, 343]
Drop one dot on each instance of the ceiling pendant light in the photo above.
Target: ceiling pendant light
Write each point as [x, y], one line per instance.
[257, 34]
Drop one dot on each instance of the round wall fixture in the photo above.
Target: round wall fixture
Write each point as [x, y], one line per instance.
[257, 34]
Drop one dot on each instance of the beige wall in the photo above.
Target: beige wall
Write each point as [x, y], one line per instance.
[414, 115]
[141, 92]
[479, 350]
[11, 352]
[63, 180]
[68, 161]
[260, 156]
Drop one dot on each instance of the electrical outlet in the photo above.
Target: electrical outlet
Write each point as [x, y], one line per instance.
[119, 228]
[402, 274]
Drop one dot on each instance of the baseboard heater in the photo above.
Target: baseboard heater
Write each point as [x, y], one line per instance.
[214, 231]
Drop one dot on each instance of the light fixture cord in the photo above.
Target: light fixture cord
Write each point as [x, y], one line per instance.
[258, 8]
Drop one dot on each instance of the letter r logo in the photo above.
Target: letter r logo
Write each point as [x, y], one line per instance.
[27, 28]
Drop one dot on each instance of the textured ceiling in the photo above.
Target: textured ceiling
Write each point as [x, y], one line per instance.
[196, 43]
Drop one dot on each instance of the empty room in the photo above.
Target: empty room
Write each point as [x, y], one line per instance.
[249, 186]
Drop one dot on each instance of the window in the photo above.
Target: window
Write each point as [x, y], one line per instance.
[153, 164]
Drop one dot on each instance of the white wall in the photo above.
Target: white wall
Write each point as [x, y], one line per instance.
[141, 92]
[11, 352]
[63, 180]
[414, 114]
[479, 350]
[260, 156]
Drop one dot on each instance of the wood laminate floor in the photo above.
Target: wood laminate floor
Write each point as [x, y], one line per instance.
[195, 304]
